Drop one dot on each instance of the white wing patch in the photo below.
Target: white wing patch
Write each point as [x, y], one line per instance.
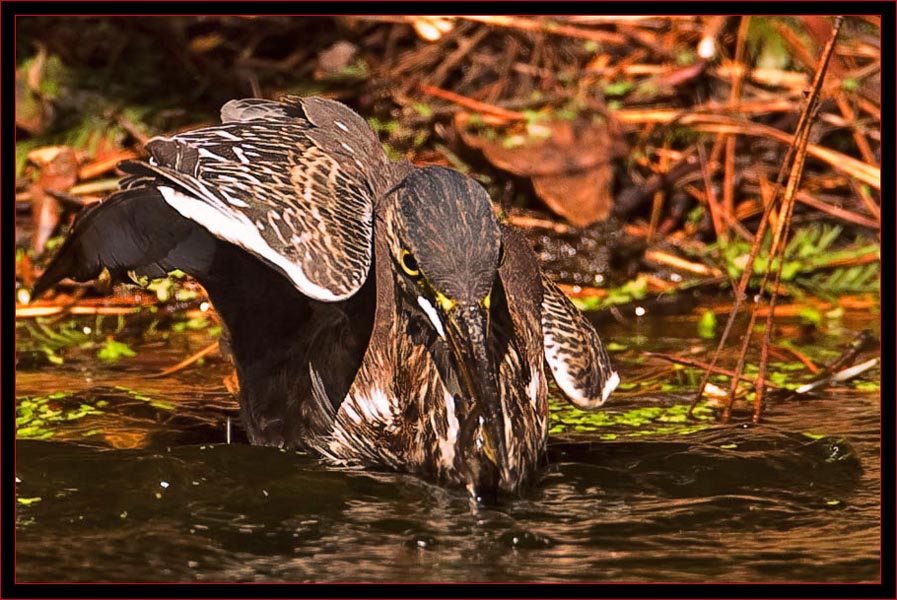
[563, 375]
[238, 152]
[238, 229]
[575, 353]
[207, 154]
[609, 386]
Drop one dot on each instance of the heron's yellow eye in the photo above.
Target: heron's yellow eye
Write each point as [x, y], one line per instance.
[487, 301]
[409, 264]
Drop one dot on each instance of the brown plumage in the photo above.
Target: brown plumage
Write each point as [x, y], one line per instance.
[378, 313]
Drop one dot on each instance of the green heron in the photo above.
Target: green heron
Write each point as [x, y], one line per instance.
[378, 313]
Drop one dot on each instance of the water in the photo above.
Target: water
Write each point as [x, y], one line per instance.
[155, 493]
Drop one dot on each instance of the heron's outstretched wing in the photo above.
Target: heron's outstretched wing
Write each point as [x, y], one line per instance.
[573, 350]
[133, 230]
[291, 182]
[548, 324]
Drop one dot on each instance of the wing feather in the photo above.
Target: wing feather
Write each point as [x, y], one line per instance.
[294, 183]
[574, 352]
[132, 230]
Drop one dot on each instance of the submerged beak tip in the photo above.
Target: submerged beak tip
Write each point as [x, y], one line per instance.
[468, 333]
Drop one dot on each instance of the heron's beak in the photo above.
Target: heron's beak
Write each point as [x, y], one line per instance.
[484, 427]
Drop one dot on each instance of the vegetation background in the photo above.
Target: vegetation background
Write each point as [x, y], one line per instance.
[647, 158]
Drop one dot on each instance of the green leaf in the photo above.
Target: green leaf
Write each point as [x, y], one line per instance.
[162, 287]
[113, 350]
[810, 315]
[422, 109]
[618, 88]
[707, 325]
[162, 405]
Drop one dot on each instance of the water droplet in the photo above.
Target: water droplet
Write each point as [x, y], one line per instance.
[526, 540]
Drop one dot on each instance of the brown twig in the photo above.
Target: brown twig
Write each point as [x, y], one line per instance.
[802, 137]
[546, 26]
[708, 367]
[807, 362]
[869, 174]
[858, 137]
[136, 131]
[475, 105]
[676, 262]
[98, 167]
[30, 312]
[873, 208]
[533, 222]
[716, 211]
[794, 310]
[734, 98]
[730, 219]
[718, 123]
[840, 213]
[658, 197]
[213, 347]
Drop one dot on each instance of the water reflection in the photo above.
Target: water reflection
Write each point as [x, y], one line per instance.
[603, 512]
[164, 499]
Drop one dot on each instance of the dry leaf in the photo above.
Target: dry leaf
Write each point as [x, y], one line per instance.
[569, 163]
[58, 172]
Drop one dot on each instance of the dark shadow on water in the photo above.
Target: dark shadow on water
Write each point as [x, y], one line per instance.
[145, 488]
[735, 503]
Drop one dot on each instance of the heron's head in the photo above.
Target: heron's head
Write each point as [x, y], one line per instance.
[446, 246]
